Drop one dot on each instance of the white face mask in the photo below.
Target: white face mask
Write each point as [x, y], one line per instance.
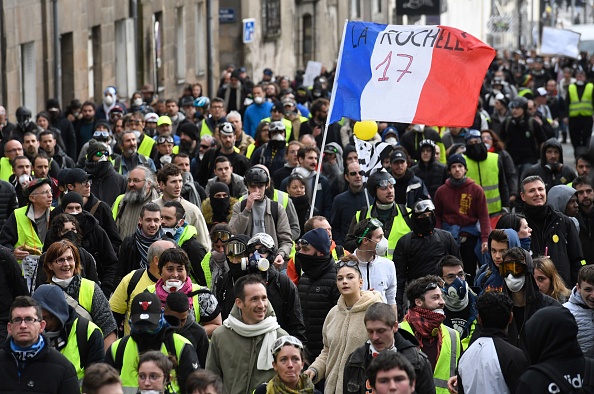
[440, 311]
[172, 285]
[169, 230]
[391, 141]
[137, 102]
[150, 392]
[515, 284]
[258, 100]
[103, 158]
[381, 248]
[165, 159]
[24, 180]
[137, 134]
[108, 100]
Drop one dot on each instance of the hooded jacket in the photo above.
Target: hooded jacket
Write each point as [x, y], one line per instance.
[107, 183]
[551, 339]
[489, 278]
[318, 294]
[409, 189]
[552, 175]
[405, 344]
[234, 357]
[433, 174]
[558, 198]
[522, 136]
[343, 332]
[584, 316]
[586, 221]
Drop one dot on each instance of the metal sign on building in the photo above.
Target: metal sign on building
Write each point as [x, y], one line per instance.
[249, 29]
[226, 15]
[418, 7]
[500, 24]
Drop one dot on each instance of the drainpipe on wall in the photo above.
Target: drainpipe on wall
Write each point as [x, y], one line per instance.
[209, 40]
[3, 55]
[57, 58]
[137, 39]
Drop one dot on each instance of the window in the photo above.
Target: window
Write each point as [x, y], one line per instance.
[200, 48]
[307, 38]
[355, 9]
[271, 17]
[28, 76]
[180, 45]
[125, 57]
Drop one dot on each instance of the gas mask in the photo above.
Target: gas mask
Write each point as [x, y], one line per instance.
[392, 141]
[456, 295]
[255, 263]
[381, 248]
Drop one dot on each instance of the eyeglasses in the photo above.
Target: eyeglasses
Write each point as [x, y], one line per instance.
[165, 140]
[384, 183]
[516, 268]
[130, 180]
[286, 340]
[28, 320]
[47, 192]
[101, 153]
[220, 235]
[452, 277]
[64, 260]
[14, 150]
[585, 191]
[235, 248]
[153, 377]
[355, 173]
[86, 183]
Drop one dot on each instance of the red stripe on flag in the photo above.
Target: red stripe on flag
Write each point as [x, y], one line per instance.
[458, 67]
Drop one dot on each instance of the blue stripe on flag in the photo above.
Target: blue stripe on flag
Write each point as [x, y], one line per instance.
[355, 70]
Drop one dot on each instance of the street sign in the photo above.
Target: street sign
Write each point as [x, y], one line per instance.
[249, 29]
[226, 15]
[500, 23]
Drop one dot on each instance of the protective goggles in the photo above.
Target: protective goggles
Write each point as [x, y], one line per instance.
[101, 134]
[101, 153]
[235, 248]
[386, 182]
[371, 227]
[165, 140]
[424, 206]
[286, 340]
[220, 235]
[350, 264]
[514, 267]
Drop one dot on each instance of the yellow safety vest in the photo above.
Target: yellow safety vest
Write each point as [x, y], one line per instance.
[486, 174]
[583, 106]
[288, 125]
[279, 196]
[448, 356]
[5, 169]
[205, 264]
[146, 146]
[115, 208]
[204, 129]
[85, 294]
[25, 231]
[195, 301]
[129, 373]
[250, 150]
[398, 230]
[175, 150]
[70, 351]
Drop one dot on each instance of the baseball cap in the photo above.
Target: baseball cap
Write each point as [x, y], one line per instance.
[397, 156]
[146, 307]
[541, 92]
[470, 134]
[268, 72]
[76, 175]
[163, 120]
[34, 184]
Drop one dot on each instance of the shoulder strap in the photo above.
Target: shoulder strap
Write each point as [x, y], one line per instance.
[242, 205]
[339, 251]
[170, 346]
[119, 357]
[82, 326]
[82, 312]
[274, 210]
[94, 207]
[134, 281]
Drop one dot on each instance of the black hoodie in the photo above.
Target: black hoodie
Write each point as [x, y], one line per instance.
[555, 174]
[551, 340]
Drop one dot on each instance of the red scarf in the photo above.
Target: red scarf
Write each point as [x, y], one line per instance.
[425, 324]
[162, 294]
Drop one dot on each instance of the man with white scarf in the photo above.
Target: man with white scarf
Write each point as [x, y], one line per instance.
[240, 350]
[460, 299]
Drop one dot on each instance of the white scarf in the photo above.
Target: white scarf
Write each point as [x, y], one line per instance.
[266, 327]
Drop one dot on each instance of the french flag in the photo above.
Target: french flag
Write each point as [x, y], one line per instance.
[410, 74]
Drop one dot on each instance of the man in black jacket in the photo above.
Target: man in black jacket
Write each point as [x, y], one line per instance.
[27, 362]
[8, 201]
[491, 352]
[12, 285]
[585, 196]
[384, 336]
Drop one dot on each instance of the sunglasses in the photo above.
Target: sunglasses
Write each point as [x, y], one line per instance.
[204, 146]
[101, 153]
[220, 235]
[355, 173]
[516, 268]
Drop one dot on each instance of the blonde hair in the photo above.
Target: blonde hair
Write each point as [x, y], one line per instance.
[558, 288]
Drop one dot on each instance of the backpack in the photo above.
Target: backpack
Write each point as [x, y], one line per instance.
[563, 385]
[82, 327]
[133, 282]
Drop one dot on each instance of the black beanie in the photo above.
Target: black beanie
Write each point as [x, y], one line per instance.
[218, 187]
[71, 197]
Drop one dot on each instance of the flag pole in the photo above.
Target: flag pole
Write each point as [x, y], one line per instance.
[315, 185]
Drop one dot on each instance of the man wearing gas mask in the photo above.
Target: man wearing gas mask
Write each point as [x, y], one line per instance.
[253, 256]
[551, 168]
[377, 271]
[459, 298]
[418, 251]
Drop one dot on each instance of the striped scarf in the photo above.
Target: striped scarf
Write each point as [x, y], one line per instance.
[143, 243]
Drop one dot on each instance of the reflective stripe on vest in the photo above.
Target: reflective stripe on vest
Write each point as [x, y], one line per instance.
[146, 146]
[85, 294]
[115, 208]
[25, 231]
[70, 351]
[5, 169]
[204, 129]
[250, 150]
[129, 373]
[205, 264]
[486, 175]
[398, 230]
[583, 106]
[195, 300]
[449, 354]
